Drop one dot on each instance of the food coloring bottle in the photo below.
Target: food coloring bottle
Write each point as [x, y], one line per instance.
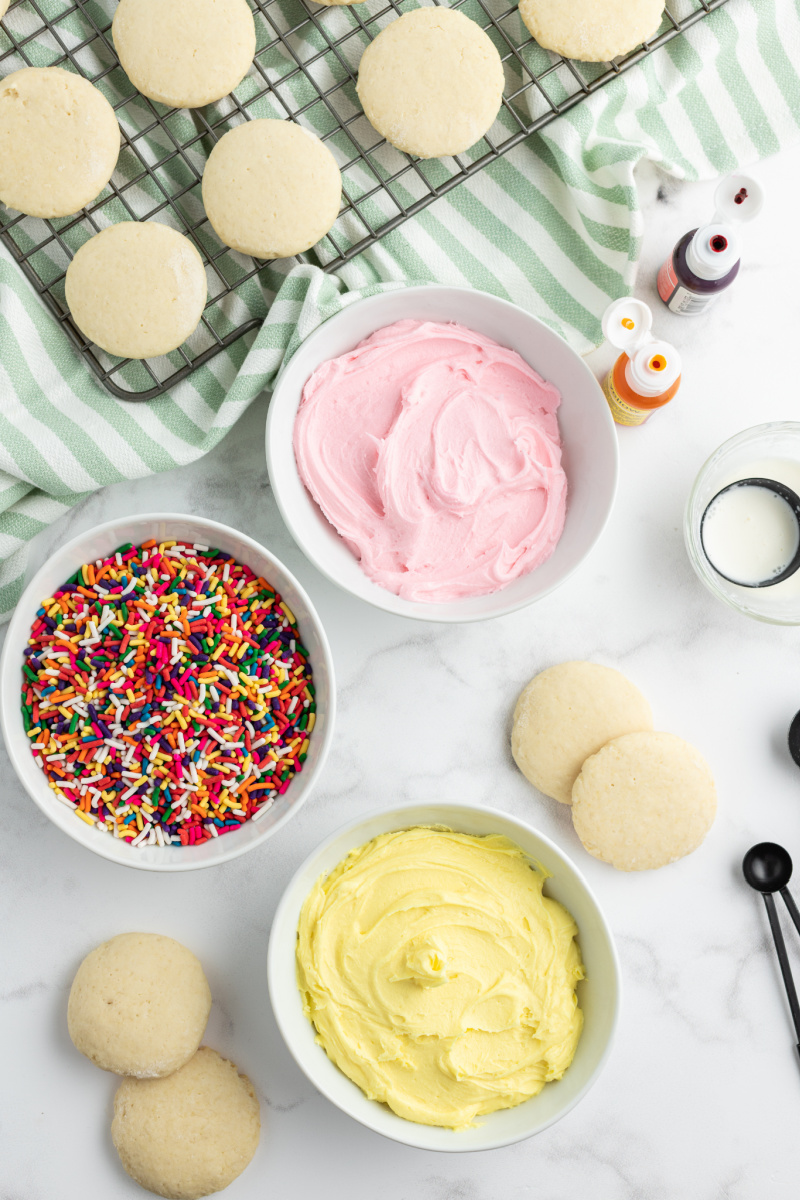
[647, 374]
[706, 261]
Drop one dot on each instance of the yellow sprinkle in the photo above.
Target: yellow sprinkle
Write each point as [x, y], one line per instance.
[84, 817]
[311, 722]
[289, 613]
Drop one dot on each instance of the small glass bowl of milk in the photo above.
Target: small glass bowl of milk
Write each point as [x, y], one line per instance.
[750, 533]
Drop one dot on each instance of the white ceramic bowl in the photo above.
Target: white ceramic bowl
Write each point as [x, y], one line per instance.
[590, 454]
[599, 993]
[751, 450]
[98, 543]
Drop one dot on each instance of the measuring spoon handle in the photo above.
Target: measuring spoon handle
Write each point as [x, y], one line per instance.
[783, 959]
[794, 912]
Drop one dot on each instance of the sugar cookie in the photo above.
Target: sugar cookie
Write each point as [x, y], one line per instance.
[3, 8]
[190, 1134]
[271, 188]
[567, 713]
[431, 83]
[644, 800]
[184, 53]
[591, 30]
[139, 1005]
[137, 289]
[59, 142]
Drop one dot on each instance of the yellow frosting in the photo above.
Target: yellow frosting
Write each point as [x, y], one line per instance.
[437, 975]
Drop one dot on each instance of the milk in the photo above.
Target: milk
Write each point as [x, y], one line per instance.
[750, 534]
[767, 542]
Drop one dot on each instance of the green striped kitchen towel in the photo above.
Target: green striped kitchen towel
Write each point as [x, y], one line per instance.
[554, 226]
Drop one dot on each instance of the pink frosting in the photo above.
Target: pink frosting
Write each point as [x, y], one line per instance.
[435, 453]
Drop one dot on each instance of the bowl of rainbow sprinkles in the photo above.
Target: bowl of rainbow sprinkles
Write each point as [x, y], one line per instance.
[168, 692]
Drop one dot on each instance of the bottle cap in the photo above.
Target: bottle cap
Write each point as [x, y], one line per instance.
[713, 251]
[738, 199]
[627, 323]
[653, 366]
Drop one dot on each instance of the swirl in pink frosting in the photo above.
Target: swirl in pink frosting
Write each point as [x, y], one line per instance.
[435, 453]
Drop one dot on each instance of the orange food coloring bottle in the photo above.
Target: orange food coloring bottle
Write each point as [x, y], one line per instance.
[647, 374]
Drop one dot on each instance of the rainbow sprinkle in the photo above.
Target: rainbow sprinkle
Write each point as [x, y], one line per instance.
[166, 694]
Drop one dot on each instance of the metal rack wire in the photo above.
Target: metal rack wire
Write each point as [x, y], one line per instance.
[305, 69]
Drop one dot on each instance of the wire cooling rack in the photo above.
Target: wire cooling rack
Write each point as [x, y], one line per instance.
[305, 69]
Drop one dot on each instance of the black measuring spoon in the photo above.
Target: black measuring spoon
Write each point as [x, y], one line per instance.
[767, 868]
[778, 489]
[794, 738]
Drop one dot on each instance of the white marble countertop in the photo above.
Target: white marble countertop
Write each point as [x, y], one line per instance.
[701, 1096]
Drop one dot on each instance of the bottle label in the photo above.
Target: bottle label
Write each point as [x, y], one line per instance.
[679, 299]
[687, 303]
[667, 281]
[622, 412]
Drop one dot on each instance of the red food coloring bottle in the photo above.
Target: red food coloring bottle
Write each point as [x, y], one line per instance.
[706, 261]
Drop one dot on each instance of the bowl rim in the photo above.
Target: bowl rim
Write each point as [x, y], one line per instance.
[691, 538]
[392, 602]
[276, 950]
[15, 631]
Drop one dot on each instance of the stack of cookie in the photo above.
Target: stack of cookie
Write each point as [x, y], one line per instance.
[583, 734]
[186, 1122]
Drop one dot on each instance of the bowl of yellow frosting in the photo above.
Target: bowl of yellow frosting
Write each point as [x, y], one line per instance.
[444, 975]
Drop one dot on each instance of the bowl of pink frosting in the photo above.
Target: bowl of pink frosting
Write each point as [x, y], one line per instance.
[441, 454]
